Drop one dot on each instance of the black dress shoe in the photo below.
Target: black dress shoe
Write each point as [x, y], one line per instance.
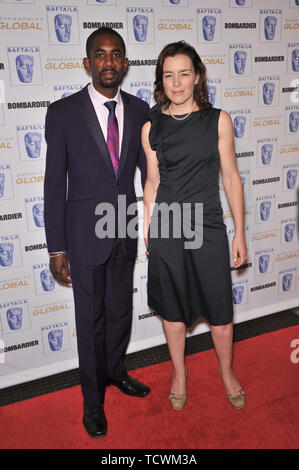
[130, 386]
[94, 421]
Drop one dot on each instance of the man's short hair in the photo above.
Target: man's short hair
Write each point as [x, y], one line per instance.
[98, 32]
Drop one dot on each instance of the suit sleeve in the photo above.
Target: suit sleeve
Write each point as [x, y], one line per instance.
[55, 184]
[141, 161]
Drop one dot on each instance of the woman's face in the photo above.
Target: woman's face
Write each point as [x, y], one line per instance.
[179, 79]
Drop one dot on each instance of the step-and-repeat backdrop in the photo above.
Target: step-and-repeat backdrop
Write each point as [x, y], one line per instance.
[251, 51]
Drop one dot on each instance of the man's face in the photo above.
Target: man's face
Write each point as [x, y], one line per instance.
[63, 25]
[107, 64]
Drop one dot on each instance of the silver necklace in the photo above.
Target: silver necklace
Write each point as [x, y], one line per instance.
[181, 118]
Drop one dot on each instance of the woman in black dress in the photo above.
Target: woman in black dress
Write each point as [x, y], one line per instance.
[186, 142]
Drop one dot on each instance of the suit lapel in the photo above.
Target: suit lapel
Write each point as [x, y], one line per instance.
[93, 124]
[128, 118]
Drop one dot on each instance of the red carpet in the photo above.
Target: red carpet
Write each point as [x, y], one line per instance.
[269, 421]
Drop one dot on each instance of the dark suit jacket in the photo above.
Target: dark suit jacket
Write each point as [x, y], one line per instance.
[79, 175]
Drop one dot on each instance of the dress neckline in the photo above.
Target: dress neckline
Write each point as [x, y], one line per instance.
[181, 115]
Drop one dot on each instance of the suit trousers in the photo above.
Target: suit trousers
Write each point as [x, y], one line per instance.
[103, 312]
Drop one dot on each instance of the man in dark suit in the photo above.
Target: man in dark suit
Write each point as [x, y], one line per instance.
[93, 146]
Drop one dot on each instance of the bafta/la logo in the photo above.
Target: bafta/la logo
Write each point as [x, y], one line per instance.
[293, 58]
[143, 90]
[240, 3]
[238, 292]
[35, 212]
[6, 188]
[240, 59]
[6, 254]
[266, 153]
[209, 25]
[30, 141]
[14, 317]
[289, 230]
[265, 208]
[33, 141]
[212, 94]
[239, 126]
[63, 25]
[10, 256]
[101, 2]
[47, 280]
[291, 178]
[140, 25]
[270, 25]
[24, 65]
[294, 122]
[55, 337]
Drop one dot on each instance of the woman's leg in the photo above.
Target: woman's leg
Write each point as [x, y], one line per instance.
[175, 333]
[223, 341]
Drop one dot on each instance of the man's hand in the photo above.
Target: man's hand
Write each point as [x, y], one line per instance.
[60, 270]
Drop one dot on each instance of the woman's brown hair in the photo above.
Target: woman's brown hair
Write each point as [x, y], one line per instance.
[201, 95]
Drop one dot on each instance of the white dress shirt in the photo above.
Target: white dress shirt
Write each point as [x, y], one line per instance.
[102, 112]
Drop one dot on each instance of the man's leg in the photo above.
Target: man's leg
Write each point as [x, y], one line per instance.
[119, 321]
[89, 286]
[119, 310]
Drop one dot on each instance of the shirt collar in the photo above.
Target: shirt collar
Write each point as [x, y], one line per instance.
[99, 99]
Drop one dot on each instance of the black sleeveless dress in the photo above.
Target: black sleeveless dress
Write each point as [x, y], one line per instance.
[188, 279]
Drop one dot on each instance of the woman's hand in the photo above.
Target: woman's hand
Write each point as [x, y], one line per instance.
[239, 250]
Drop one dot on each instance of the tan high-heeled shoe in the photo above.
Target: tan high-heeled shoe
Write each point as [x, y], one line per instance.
[237, 400]
[178, 400]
